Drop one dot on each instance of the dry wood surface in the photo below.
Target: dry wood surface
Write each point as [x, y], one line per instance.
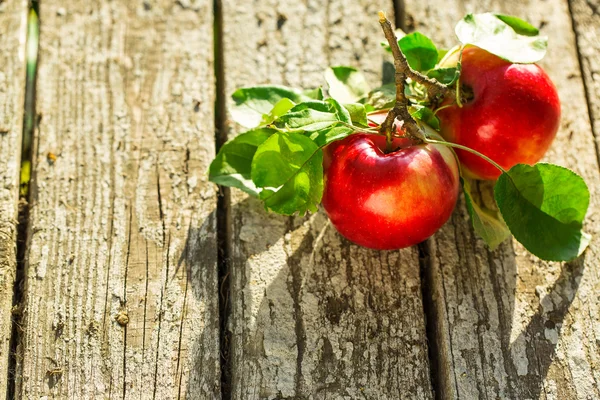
[121, 288]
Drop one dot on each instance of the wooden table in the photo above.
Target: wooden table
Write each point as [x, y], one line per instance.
[141, 280]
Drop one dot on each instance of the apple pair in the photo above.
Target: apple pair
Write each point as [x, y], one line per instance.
[393, 200]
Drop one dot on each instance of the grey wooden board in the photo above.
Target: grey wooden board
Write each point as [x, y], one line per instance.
[121, 288]
[13, 27]
[509, 325]
[586, 22]
[314, 316]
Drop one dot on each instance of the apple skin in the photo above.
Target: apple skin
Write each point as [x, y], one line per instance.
[513, 117]
[389, 201]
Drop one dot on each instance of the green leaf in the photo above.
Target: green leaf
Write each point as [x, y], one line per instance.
[381, 98]
[232, 165]
[369, 108]
[330, 134]
[289, 168]
[424, 114]
[358, 113]
[315, 94]
[252, 103]
[447, 76]
[419, 50]
[544, 206]
[520, 26]
[280, 108]
[340, 111]
[488, 224]
[496, 36]
[314, 115]
[346, 84]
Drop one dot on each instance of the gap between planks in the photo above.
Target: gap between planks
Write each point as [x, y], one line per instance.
[30, 120]
[223, 206]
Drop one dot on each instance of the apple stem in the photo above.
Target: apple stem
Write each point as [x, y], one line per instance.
[458, 94]
[441, 108]
[459, 102]
[465, 148]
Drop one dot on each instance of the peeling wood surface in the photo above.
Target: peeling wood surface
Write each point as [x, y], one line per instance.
[314, 316]
[121, 288]
[507, 324]
[13, 29]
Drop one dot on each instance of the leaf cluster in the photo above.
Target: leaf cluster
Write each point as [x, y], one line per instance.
[279, 159]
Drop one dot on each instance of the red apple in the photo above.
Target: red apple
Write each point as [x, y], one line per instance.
[512, 117]
[389, 201]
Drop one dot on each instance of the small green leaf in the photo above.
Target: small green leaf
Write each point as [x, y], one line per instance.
[419, 50]
[314, 115]
[232, 166]
[518, 25]
[346, 84]
[488, 224]
[381, 98]
[281, 107]
[424, 114]
[544, 206]
[369, 108]
[340, 111]
[315, 94]
[289, 168]
[330, 134]
[358, 113]
[252, 103]
[447, 76]
[498, 37]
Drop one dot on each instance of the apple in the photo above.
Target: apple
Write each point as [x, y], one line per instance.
[512, 114]
[389, 201]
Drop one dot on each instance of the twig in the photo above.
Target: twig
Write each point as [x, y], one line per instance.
[435, 88]
[400, 108]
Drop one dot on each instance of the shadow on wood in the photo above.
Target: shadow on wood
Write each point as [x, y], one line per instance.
[475, 324]
[325, 316]
[331, 318]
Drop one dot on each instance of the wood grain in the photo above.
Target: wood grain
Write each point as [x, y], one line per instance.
[314, 316]
[13, 29]
[586, 22]
[121, 288]
[509, 325]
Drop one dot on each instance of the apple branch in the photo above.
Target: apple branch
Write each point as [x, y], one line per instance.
[400, 108]
[435, 89]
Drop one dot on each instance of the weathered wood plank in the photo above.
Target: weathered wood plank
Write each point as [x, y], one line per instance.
[586, 21]
[508, 324]
[314, 316]
[121, 288]
[13, 28]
